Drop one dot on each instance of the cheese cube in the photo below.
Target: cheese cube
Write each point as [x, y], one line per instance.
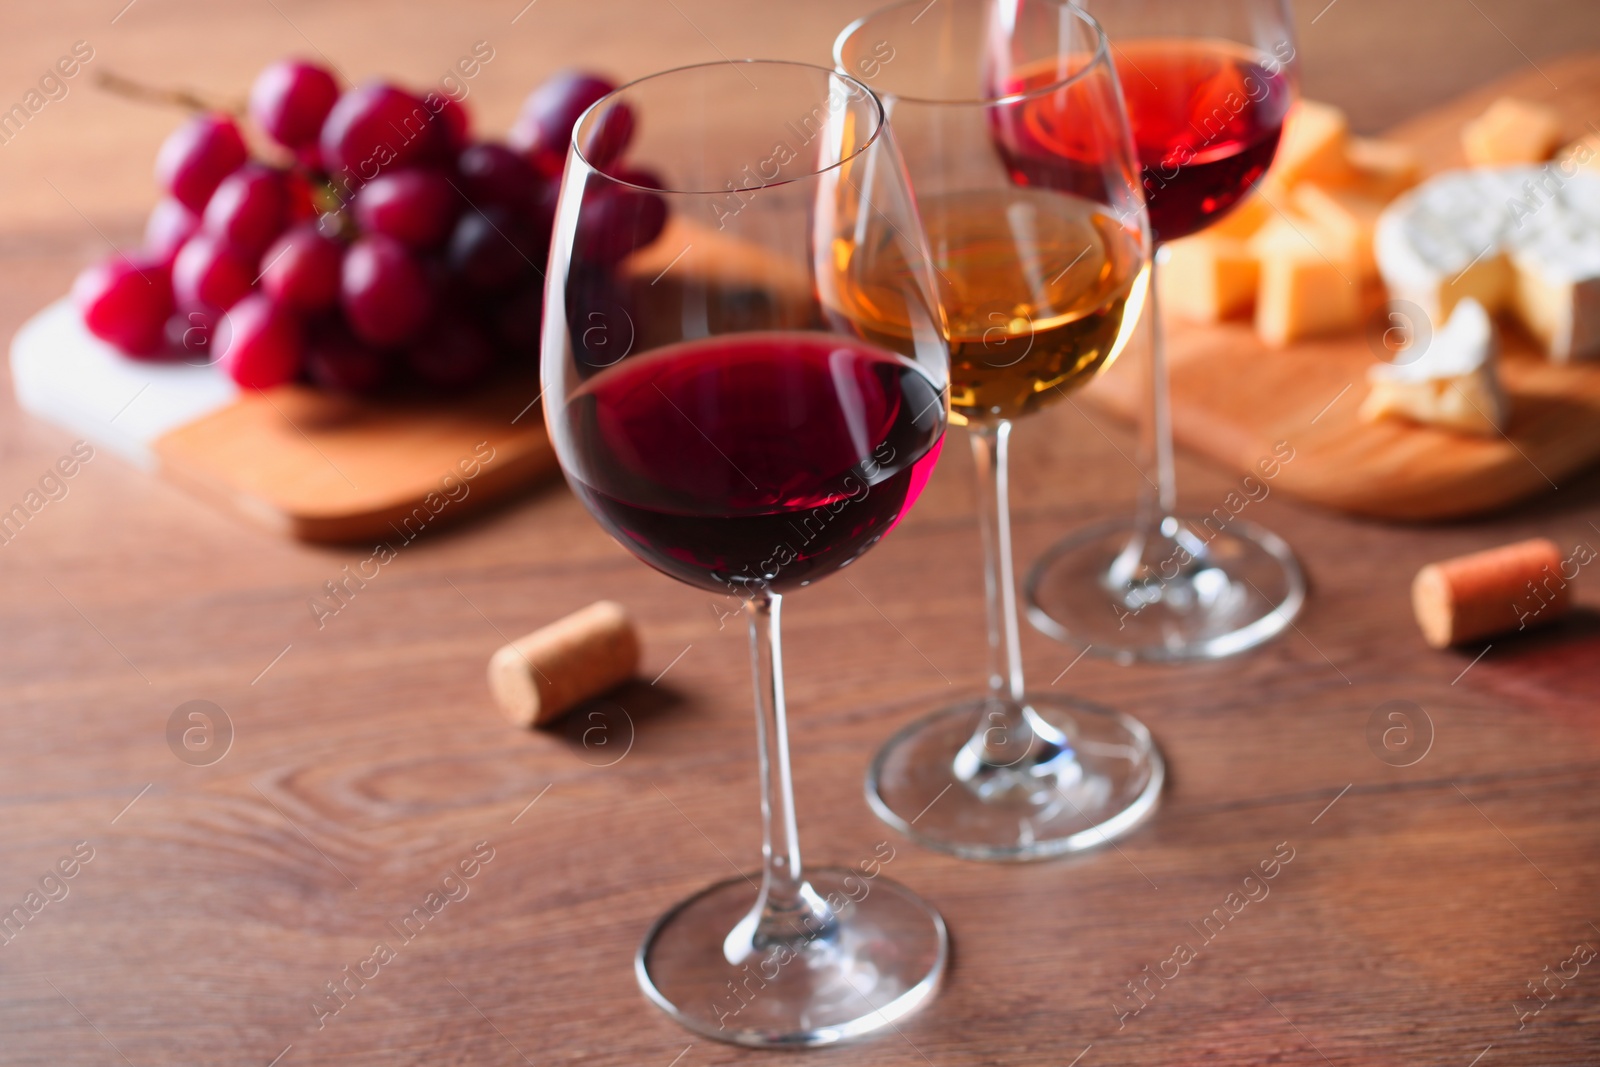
[1249, 215]
[1584, 154]
[1382, 170]
[1313, 145]
[1512, 131]
[1303, 292]
[1347, 217]
[1291, 234]
[1208, 278]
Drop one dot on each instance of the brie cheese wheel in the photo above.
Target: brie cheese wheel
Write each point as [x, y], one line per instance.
[1519, 239]
[1447, 380]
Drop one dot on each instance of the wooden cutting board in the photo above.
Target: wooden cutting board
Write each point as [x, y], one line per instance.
[309, 464]
[1234, 399]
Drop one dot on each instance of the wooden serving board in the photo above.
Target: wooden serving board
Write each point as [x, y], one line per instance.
[309, 464]
[1234, 399]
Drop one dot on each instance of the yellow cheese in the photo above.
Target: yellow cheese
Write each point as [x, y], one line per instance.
[1248, 217]
[1313, 145]
[1382, 170]
[1292, 234]
[1208, 278]
[1304, 291]
[1347, 217]
[1512, 131]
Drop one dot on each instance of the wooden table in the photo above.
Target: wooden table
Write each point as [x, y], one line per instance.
[365, 759]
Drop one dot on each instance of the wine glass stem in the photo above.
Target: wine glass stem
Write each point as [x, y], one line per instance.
[1159, 500]
[990, 446]
[788, 910]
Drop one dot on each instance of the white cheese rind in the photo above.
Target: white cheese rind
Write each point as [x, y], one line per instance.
[1524, 239]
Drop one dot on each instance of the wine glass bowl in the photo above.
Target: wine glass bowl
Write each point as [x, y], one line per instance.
[1208, 85]
[1040, 263]
[716, 413]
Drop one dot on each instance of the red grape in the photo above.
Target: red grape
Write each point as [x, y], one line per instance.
[544, 128]
[170, 225]
[415, 207]
[249, 208]
[290, 99]
[494, 174]
[452, 355]
[261, 348]
[491, 249]
[518, 320]
[209, 272]
[301, 271]
[606, 139]
[385, 293]
[190, 335]
[376, 126]
[196, 156]
[453, 118]
[336, 360]
[126, 301]
[617, 221]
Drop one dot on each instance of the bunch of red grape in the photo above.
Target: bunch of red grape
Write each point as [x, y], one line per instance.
[379, 243]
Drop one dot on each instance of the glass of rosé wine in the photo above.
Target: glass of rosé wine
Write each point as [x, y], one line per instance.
[1208, 84]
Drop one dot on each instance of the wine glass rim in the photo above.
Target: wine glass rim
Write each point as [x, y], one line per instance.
[880, 117]
[1100, 57]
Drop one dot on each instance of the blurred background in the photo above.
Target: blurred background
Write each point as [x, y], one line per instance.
[1381, 60]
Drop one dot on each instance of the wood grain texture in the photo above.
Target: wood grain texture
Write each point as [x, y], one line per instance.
[217, 905]
[1233, 398]
[328, 468]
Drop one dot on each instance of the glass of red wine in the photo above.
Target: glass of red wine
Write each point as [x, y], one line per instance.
[1041, 263]
[1208, 84]
[720, 415]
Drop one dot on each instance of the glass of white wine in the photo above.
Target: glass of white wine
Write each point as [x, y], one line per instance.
[1041, 251]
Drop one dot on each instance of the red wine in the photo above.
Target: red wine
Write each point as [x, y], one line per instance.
[1206, 118]
[753, 461]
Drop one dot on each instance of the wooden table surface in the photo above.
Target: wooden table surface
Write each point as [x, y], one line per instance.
[209, 905]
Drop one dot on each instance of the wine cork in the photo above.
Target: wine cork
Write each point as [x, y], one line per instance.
[1507, 588]
[541, 676]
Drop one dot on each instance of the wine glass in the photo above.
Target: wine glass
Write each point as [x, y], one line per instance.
[1041, 261]
[719, 417]
[1208, 84]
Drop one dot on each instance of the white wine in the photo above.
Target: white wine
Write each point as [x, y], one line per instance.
[1038, 291]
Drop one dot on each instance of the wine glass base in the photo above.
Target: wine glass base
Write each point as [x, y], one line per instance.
[882, 960]
[1099, 790]
[1166, 594]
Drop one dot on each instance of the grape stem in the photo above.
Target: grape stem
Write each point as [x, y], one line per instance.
[188, 99]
